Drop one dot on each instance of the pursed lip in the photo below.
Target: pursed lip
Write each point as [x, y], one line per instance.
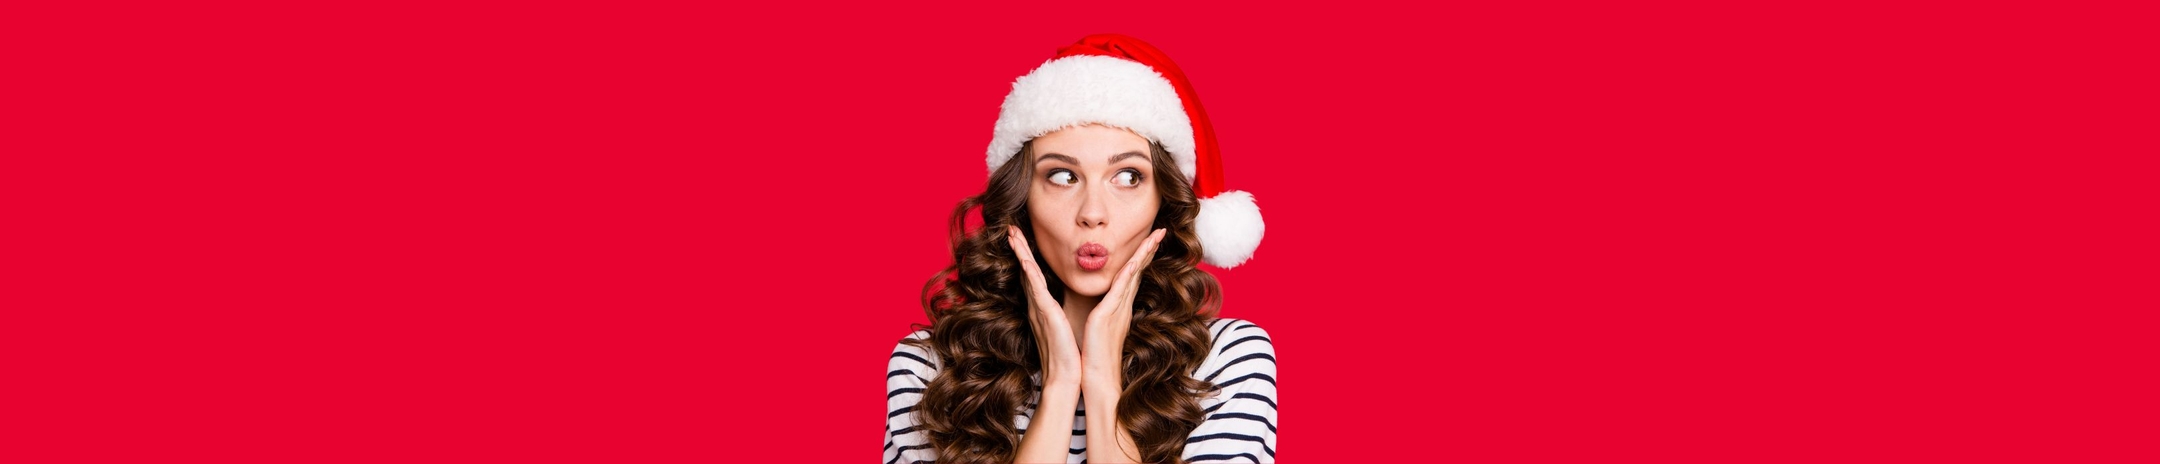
[1092, 256]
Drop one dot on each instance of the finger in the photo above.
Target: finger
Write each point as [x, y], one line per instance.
[1147, 251]
[1121, 285]
[1020, 249]
[1142, 259]
[1028, 266]
[1139, 268]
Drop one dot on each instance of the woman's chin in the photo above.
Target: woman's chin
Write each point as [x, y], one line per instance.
[1090, 287]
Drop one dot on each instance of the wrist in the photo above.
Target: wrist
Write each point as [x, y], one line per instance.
[1101, 400]
[1099, 384]
[1093, 367]
[1063, 385]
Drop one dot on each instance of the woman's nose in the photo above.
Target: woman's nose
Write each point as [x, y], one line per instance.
[1093, 213]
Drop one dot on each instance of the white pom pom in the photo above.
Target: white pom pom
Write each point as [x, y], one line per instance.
[1229, 227]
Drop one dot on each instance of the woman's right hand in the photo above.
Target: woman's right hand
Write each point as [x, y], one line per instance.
[1054, 341]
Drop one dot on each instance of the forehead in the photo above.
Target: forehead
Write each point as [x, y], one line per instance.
[1092, 143]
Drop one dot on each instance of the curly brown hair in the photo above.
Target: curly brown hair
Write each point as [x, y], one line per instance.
[980, 329]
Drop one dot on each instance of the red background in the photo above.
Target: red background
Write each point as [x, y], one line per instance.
[666, 233]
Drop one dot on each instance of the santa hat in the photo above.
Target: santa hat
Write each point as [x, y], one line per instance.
[1120, 81]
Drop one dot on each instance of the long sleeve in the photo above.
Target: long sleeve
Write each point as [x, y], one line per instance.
[908, 372]
[1239, 423]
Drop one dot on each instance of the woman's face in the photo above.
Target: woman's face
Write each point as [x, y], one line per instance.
[1092, 201]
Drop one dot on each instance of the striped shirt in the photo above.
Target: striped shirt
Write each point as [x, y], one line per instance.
[1240, 419]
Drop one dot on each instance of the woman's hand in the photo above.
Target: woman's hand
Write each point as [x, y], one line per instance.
[1060, 354]
[1104, 349]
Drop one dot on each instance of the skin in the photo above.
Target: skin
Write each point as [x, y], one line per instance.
[1080, 195]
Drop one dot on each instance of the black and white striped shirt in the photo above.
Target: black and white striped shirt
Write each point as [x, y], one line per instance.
[1239, 425]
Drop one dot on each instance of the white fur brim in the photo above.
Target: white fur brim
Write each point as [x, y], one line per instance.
[1083, 89]
[1230, 228]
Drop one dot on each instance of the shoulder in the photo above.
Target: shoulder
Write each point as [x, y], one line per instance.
[911, 368]
[1239, 347]
[1228, 332]
[1240, 414]
[908, 359]
[918, 334]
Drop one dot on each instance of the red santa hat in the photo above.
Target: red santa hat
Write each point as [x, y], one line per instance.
[1119, 81]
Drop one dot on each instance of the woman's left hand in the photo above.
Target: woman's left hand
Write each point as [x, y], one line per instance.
[1104, 350]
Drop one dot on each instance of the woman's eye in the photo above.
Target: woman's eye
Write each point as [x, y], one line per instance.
[1061, 177]
[1127, 178]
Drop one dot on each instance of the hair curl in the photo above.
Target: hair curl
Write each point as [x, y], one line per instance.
[981, 331]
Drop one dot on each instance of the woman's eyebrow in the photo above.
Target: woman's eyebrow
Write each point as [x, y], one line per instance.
[1068, 159]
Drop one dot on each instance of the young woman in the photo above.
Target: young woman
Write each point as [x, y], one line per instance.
[1075, 325]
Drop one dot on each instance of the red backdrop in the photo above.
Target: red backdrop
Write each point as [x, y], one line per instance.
[668, 233]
